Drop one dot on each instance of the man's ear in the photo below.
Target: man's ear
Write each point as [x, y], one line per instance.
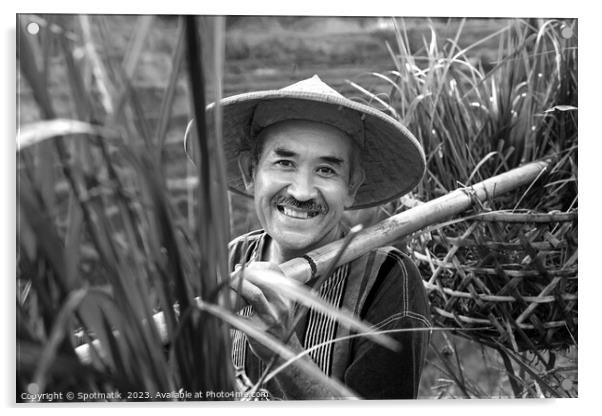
[357, 178]
[246, 166]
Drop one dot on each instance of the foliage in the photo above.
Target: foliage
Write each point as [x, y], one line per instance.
[474, 123]
[99, 251]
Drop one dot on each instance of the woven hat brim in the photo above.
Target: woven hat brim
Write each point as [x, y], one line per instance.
[392, 158]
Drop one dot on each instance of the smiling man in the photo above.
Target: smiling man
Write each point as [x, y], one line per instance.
[306, 154]
[302, 182]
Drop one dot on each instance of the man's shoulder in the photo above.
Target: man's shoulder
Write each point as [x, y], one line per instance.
[389, 257]
[391, 251]
[392, 282]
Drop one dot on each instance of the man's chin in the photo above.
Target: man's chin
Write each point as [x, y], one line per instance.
[296, 242]
[301, 236]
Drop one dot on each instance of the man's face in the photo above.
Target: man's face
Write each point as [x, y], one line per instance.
[301, 183]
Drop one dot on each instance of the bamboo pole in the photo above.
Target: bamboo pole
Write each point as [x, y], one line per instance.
[412, 220]
[391, 229]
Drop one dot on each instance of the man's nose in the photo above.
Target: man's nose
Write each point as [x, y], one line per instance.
[302, 187]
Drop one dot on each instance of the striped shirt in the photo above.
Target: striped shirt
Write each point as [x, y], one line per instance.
[382, 287]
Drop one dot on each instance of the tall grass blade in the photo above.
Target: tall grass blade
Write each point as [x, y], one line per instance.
[134, 50]
[103, 84]
[170, 92]
[40, 131]
[213, 235]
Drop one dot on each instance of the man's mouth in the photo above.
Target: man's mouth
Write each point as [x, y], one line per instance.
[297, 213]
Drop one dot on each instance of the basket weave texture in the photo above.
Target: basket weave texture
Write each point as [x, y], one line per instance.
[510, 278]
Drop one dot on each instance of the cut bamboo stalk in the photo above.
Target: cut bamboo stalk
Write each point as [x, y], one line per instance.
[546, 291]
[452, 252]
[393, 228]
[498, 245]
[527, 217]
[480, 321]
[500, 298]
[565, 272]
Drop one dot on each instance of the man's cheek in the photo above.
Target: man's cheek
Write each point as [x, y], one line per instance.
[269, 182]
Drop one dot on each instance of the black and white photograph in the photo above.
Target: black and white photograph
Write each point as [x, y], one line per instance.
[295, 208]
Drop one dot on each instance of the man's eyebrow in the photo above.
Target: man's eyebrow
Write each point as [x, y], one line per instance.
[282, 152]
[333, 160]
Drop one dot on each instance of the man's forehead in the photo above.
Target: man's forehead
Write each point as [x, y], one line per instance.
[306, 138]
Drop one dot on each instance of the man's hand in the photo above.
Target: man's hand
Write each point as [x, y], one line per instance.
[258, 285]
[274, 315]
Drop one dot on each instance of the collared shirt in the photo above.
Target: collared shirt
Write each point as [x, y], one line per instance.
[382, 287]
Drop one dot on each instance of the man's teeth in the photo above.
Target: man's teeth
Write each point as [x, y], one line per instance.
[295, 214]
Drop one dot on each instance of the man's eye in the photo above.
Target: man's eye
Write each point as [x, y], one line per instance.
[284, 163]
[326, 171]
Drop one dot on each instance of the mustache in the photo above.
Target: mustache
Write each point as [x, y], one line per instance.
[311, 205]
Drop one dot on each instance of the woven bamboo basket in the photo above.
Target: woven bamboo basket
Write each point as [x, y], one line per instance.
[506, 278]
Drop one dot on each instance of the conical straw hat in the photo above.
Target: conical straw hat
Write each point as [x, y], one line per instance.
[391, 156]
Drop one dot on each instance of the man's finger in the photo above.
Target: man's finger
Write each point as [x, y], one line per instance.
[255, 297]
[268, 279]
